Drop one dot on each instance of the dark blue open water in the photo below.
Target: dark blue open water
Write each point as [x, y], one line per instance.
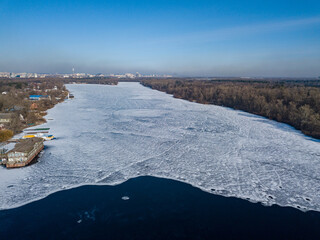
[157, 209]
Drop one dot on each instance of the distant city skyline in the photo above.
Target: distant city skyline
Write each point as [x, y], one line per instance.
[182, 38]
[78, 75]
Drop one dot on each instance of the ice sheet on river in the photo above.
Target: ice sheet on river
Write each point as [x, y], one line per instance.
[108, 134]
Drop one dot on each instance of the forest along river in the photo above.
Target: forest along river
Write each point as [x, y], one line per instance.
[109, 134]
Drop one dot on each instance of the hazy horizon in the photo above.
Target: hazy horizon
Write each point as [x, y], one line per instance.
[181, 38]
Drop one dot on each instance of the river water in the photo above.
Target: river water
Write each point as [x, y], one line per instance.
[153, 208]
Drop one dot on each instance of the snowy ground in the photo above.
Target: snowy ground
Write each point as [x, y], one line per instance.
[108, 134]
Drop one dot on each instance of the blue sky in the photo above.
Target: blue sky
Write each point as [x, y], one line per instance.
[182, 37]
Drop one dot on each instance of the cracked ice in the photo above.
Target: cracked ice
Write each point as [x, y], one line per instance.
[109, 134]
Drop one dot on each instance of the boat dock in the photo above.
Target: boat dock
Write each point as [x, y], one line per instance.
[38, 132]
[20, 152]
[24, 152]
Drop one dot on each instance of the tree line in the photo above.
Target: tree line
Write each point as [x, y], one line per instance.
[293, 103]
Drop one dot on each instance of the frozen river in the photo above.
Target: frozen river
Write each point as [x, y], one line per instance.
[109, 134]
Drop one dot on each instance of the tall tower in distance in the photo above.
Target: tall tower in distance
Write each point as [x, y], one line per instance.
[73, 70]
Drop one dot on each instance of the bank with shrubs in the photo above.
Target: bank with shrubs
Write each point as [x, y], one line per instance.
[18, 111]
[293, 102]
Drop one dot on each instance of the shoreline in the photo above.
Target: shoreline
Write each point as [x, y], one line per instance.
[195, 91]
[44, 120]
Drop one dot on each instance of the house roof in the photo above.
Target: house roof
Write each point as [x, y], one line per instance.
[34, 105]
[35, 96]
[38, 96]
[5, 115]
[26, 145]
